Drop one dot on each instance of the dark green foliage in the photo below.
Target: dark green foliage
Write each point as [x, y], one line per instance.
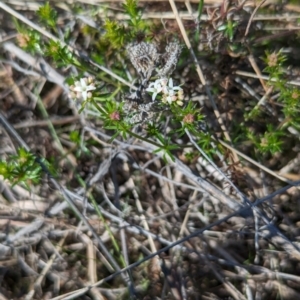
[21, 168]
[47, 15]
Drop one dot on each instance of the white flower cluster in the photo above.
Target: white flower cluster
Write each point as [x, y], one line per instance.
[148, 62]
[168, 92]
[82, 89]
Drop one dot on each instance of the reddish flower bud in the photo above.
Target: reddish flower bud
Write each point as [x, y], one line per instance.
[115, 116]
[189, 119]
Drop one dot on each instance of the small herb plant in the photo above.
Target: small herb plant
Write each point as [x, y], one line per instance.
[157, 96]
[271, 141]
[156, 90]
[21, 168]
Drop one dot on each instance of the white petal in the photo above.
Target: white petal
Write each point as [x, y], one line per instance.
[151, 90]
[90, 88]
[151, 84]
[84, 95]
[154, 96]
[171, 93]
[176, 88]
[77, 89]
[83, 82]
[163, 81]
[169, 99]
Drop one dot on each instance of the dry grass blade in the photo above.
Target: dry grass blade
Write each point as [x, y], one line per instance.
[66, 197]
[38, 282]
[40, 65]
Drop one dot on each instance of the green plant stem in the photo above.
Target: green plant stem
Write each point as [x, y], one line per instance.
[143, 139]
[100, 109]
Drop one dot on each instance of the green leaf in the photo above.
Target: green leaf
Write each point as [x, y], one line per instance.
[61, 54]
[131, 8]
[75, 137]
[115, 33]
[30, 41]
[47, 15]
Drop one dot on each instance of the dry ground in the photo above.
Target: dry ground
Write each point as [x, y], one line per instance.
[117, 221]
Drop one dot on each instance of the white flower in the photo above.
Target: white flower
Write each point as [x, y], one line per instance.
[180, 94]
[83, 89]
[179, 102]
[173, 93]
[169, 92]
[163, 82]
[180, 97]
[170, 88]
[155, 88]
[171, 98]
